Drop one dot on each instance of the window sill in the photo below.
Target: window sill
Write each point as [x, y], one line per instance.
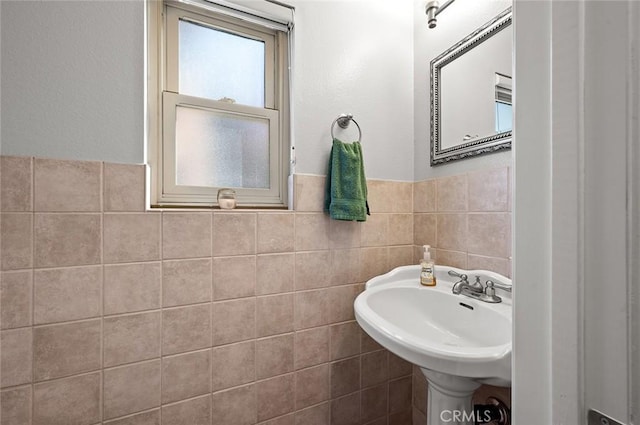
[178, 208]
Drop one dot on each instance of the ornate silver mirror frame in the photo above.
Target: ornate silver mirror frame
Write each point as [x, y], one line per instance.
[476, 145]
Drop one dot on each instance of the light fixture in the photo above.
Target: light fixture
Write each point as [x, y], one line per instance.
[432, 10]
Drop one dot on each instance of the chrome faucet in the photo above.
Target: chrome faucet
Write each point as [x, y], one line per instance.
[463, 284]
[476, 290]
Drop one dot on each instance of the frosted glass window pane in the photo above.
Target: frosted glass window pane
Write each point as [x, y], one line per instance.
[503, 117]
[216, 64]
[219, 149]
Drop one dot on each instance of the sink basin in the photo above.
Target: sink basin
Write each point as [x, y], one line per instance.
[458, 342]
[436, 329]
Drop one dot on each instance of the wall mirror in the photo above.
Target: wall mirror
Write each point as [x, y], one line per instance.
[471, 109]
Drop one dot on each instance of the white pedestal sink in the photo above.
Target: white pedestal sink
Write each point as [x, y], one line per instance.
[458, 342]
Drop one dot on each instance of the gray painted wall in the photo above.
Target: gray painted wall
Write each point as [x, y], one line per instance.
[73, 81]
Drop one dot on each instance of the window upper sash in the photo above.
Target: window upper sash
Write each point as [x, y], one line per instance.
[269, 38]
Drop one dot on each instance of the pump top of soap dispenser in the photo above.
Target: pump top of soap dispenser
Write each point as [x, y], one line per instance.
[426, 253]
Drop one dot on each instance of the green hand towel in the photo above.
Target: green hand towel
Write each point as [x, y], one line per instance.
[346, 189]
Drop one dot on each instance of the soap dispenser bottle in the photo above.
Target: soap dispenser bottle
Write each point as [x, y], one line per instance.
[427, 272]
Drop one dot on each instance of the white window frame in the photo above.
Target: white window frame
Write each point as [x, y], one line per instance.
[163, 99]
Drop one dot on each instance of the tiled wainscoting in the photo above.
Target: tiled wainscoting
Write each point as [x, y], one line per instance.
[113, 315]
[467, 218]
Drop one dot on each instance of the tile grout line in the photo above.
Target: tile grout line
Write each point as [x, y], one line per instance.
[102, 345]
[161, 336]
[33, 283]
[295, 308]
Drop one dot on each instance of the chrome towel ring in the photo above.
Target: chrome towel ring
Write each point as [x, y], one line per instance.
[343, 122]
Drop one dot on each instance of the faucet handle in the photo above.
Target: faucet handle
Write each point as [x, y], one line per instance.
[462, 277]
[490, 294]
[491, 284]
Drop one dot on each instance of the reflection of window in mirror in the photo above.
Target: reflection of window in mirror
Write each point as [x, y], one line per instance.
[503, 103]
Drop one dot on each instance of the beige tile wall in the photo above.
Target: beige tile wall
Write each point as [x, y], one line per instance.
[113, 315]
[110, 314]
[467, 219]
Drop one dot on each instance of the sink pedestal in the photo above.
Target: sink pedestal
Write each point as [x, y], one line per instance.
[449, 399]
